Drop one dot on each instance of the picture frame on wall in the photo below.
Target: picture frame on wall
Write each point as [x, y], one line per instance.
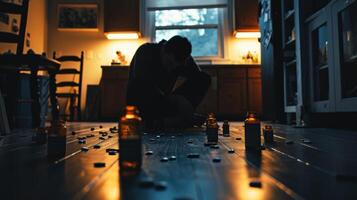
[77, 17]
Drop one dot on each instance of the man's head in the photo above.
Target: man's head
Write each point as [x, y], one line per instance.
[177, 51]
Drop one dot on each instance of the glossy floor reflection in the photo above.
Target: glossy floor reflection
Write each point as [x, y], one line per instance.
[322, 168]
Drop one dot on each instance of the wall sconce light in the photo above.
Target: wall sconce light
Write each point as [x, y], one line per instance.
[246, 35]
[122, 35]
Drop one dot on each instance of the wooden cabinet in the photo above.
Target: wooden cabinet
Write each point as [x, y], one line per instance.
[239, 91]
[246, 15]
[234, 90]
[121, 16]
[209, 102]
[113, 91]
[254, 101]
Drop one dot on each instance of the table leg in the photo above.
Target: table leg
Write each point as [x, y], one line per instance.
[36, 116]
[53, 99]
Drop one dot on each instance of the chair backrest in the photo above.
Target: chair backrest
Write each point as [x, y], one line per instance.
[9, 37]
[70, 58]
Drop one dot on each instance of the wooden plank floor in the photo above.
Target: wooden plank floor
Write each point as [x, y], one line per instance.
[326, 168]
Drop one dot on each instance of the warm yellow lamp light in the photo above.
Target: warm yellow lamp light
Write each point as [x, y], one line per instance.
[122, 35]
[241, 35]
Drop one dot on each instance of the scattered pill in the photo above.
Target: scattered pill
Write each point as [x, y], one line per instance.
[84, 149]
[231, 150]
[158, 136]
[96, 146]
[306, 141]
[173, 137]
[172, 158]
[160, 185]
[238, 138]
[112, 153]
[193, 155]
[110, 136]
[256, 184]
[214, 147]
[190, 141]
[99, 164]
[149, 152]
[146, 182]
[92, 129]
[102, 138]
[289, 142]
[111, 149]
[152, 139]
[164, 159]
[89, 136]
[81, 141]
[217, 159]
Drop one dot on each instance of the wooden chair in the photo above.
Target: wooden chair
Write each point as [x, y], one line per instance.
[12, 64]
[74, 96]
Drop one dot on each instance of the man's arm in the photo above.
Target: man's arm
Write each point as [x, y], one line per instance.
[190, 69]
[143, 75]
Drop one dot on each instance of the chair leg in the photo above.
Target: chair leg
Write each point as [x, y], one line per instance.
[35, 98]
[72, 100]
[53, 98]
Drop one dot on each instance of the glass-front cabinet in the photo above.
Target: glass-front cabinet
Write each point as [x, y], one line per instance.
[289, 52]
[344, 16]
[320, 64]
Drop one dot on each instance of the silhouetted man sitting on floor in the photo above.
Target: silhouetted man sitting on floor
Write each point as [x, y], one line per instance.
[154, 71]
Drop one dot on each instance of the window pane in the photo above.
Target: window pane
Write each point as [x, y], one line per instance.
[204, 41]
[186, 17]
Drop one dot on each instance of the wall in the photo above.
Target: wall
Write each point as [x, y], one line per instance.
[240, 47]
[100, 51]
[97, 48]
[36, 26]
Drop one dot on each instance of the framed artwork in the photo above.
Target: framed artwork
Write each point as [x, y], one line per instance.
[77, 17]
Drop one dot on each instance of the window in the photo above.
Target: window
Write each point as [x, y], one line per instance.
[204, 23]
[200, 26]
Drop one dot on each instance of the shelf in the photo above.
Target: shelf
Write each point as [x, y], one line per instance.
[293, 62]
[290, 109]
[322, 67]
[289, 56]
[290, 43]
[351, 59]
[289, 14]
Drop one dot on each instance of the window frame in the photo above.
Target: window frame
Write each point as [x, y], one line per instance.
[225, 24]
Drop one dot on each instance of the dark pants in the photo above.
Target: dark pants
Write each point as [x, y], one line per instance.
[179, 106]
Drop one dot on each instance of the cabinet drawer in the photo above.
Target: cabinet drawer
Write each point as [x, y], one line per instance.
[116, 74]
[254, 73]
[232, 73]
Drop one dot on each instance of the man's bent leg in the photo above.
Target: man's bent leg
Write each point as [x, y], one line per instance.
[195, 88]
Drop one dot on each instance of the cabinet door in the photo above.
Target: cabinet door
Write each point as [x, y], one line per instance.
[344, 15]
[121, 15]
[113, 93]
[232, 92]
[246, 15]
[254, 90]
[209, 102]
[321, 84]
